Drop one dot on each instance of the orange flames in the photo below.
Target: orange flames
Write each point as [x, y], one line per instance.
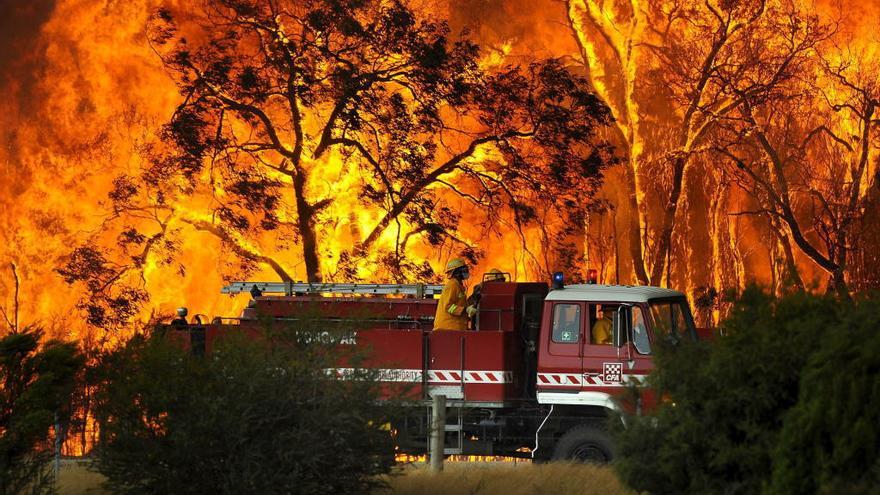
[85, 95]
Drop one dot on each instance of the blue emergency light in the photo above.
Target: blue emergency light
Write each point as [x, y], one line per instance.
[558, 280]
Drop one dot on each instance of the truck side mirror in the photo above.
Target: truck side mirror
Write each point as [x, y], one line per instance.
[620, 329]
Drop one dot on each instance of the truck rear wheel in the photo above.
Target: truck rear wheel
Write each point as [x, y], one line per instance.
[584, 443]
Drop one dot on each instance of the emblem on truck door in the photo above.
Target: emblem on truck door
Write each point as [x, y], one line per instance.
[612, 372]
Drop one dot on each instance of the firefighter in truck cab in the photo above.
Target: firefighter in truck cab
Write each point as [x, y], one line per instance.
[453, 310]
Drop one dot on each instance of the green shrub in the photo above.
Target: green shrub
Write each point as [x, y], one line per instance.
[831, 439]
[255, 415]
[726, 402]
[35, 386]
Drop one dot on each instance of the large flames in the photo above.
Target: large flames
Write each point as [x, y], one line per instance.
[85, 95]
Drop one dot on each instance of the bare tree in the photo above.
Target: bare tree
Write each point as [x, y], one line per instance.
[662, 67]
[608, 41]
[806, 154]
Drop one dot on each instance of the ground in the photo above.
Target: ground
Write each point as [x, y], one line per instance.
[484, 478]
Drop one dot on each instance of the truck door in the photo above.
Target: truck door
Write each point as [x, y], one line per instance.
[608, 368]
[530, 331]
[561, 366]
[602, 363]
[636, 353]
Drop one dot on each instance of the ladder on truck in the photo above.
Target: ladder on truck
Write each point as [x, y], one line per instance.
[454, 431]
[301, 288]
[453, 428]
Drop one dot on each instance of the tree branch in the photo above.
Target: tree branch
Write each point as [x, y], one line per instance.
[13, 322]
[240, 250]
[431, 178]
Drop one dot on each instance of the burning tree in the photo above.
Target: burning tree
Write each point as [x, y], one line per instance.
[290, 110]
[661, 67]
[691, 86]
[287, 88]
[805, 155]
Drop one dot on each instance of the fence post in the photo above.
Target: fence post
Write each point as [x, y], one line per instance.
[438, 432]
[58, 441]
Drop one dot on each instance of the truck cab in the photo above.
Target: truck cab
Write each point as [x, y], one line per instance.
[583, 360]
[584, 364]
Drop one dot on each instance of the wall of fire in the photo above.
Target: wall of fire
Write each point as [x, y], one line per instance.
[83, 95]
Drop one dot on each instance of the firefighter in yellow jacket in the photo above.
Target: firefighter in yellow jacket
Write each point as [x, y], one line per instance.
[452, 309]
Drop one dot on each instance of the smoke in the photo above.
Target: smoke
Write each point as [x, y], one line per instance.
[22, 65]
[20, 58]
[20, 28]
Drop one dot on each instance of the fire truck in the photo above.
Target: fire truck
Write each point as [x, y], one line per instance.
[531, 378]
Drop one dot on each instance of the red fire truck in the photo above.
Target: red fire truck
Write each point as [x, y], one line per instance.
[530, 379]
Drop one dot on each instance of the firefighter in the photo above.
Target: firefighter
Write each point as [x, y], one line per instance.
[601, 333]
[180, 321]
[453, 310]
[493, 275]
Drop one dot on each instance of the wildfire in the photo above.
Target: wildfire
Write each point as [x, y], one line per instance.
[87, 94]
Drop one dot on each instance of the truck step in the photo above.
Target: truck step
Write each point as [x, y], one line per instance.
[451, 451]
[452, 428]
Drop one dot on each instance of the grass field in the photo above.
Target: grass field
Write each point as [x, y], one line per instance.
[506, 479]
[75, 479]
[478, 478]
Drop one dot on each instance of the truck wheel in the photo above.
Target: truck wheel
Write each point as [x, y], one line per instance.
[584, 443]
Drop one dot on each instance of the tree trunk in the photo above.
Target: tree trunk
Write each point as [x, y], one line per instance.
[661, 252]
[789, 276]
[305, 215]
[838, 283]
[721, 264]
[633, 226]
[838, 275]
[625, 131]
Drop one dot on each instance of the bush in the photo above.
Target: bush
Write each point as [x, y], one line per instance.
[35, 385]
[255, 415]
[831, 439]
[726, 402]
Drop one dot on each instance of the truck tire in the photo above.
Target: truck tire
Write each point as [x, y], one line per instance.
[584, 443]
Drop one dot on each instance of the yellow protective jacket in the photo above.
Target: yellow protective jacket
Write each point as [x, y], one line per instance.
[602, 332]
[451, 307]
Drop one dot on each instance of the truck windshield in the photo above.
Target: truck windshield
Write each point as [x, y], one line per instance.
[672, 318]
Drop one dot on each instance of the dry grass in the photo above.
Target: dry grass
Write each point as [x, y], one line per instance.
[75, 479]
[474, 478]
[506, 479]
